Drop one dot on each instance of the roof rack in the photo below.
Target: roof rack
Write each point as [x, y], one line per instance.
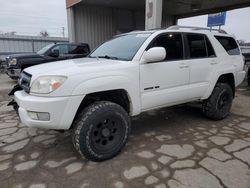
[177, 27]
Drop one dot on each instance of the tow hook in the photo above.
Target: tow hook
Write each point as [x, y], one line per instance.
[14, 105]
[15, 88]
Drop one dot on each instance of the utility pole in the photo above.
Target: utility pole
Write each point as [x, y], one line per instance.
[63, 33]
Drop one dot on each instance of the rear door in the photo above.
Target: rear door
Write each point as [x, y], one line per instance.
[203, 62]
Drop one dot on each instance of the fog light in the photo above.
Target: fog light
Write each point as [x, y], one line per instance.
[41, 116]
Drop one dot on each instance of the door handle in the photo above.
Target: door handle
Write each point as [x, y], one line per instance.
[213, 62]
[183, 66]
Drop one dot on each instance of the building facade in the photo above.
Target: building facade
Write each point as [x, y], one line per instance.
[94, 21]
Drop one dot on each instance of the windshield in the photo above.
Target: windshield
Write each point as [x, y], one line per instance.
[44, 49]
[123, 47]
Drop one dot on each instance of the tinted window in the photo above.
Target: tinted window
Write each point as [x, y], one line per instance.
[63, 49]
[229, 45]
[45, 49]
[210, 49]
[173, 44]
[77, 49]
[197, 45]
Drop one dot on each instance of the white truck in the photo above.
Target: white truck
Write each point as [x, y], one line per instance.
[127, 75]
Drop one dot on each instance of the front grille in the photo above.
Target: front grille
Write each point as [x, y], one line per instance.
[24, 81]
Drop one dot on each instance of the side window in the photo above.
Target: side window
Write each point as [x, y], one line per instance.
[197, 45]
[63, 49]
[210, 49]
[229, 45]
[79, 49]
[173, 44]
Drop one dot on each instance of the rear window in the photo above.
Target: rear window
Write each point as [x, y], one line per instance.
[229, 45]
[79, 49]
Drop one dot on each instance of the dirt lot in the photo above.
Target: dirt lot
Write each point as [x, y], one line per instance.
[173, 147]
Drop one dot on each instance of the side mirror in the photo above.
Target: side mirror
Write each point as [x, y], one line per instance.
[155, 54]
[54, 53]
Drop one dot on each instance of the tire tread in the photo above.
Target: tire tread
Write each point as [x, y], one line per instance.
[79, 124]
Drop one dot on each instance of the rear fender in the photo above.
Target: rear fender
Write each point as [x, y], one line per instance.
[215, 79]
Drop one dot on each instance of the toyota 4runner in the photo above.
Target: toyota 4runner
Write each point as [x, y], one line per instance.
[130, 74]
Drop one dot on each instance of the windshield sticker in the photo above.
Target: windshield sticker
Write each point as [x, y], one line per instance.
[143, 35]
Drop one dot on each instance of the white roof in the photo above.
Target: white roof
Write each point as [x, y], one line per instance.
[186, 29]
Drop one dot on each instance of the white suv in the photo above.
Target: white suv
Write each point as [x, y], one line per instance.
[129, 74]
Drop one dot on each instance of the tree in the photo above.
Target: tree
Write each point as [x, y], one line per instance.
[44, 33]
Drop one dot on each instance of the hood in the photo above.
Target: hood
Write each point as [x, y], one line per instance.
[23, 56]
[73, 67]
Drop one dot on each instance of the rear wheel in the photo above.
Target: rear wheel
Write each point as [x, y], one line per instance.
[101, 131]
[218, 105]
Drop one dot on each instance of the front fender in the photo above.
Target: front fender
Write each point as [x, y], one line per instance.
[107, 83]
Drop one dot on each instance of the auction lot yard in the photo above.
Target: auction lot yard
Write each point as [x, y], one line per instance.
[172, 147]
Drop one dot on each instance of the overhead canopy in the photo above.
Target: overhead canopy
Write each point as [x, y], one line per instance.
[178, 8]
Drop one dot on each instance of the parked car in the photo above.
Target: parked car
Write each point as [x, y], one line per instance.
[53, 52]
[130, 74]
[246, 53]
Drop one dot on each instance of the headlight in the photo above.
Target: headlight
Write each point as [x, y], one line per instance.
[47, 84]
[13, 61]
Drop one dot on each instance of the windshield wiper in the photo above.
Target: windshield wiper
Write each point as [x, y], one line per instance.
[108, 57]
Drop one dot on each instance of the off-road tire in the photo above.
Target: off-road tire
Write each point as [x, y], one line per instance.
[101, 131]
[218, 105]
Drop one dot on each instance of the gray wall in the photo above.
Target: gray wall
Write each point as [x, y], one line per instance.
[95, 25]
[25, 44]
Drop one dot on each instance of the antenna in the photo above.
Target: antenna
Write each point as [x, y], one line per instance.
[63, 31]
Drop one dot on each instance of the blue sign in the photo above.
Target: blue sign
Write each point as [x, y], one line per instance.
[216, 19]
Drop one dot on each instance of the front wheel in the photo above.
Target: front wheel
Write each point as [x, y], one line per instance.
[218, 105]
[101, 131]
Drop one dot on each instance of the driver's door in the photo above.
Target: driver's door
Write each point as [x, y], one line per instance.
[165, 83]
[63, 51]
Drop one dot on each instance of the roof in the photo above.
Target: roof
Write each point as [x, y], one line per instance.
[186, 29]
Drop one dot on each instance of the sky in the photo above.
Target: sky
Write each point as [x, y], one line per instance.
[29, 17]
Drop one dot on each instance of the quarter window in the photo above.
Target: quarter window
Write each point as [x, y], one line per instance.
[229, 45]
[173, 44]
